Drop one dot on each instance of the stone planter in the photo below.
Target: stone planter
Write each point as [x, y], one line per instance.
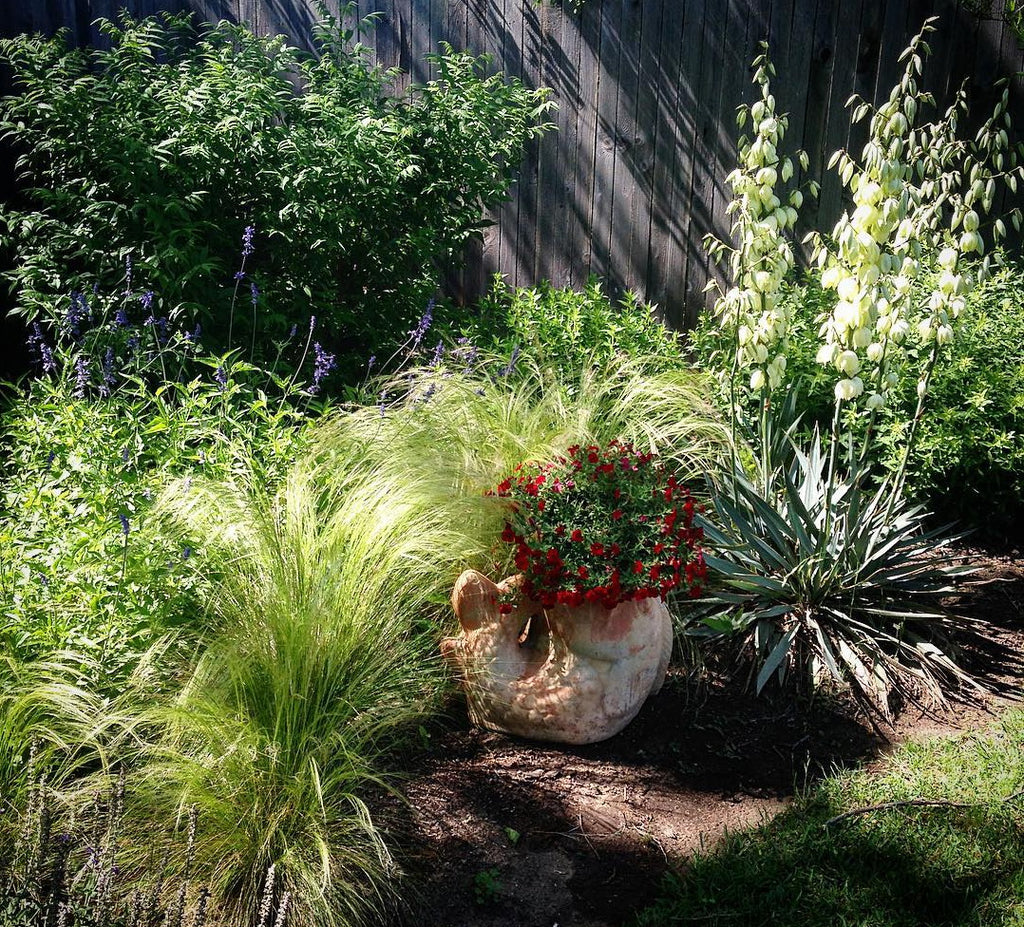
[575, 675]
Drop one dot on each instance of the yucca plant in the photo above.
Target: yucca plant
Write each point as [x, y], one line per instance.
[834, 576]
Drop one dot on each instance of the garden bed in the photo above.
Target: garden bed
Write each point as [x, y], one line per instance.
[501, 831]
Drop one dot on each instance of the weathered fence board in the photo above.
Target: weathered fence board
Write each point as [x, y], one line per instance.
[646, 90]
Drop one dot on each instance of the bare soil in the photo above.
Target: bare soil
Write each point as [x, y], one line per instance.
[499, 831]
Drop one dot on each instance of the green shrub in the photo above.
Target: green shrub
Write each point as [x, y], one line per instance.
[968, 462]
[567, 330]
[161, 152]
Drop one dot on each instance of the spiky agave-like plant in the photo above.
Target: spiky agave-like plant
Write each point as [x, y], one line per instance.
[833, 576]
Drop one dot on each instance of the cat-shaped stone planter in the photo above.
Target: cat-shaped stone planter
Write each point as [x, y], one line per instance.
[570, 674]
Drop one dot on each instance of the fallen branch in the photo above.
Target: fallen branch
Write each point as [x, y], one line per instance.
[915, 803]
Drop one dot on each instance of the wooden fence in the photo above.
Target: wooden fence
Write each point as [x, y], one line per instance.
[646, 90]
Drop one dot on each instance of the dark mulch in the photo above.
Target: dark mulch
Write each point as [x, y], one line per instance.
[504, 832]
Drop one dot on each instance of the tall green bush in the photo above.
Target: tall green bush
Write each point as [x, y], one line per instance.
[147, 165]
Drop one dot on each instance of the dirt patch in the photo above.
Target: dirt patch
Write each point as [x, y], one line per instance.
[500, 831]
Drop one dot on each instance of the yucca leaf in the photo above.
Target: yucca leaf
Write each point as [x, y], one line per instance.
[775, 658]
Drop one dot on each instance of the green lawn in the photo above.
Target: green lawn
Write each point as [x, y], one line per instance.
[957, 861]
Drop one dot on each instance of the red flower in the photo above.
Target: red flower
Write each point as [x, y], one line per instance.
[617, 514]
[576, 536]
[505, 608]
[503, 487]
[592, 457]
[540, 505]
[638, 566]
[560, 531]
[508, 535]
[582, 572]
[597, 549]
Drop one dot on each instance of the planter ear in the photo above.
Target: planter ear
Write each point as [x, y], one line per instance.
[475, 600]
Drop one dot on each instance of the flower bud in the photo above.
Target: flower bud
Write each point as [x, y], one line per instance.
[849, 389]
[875, 352]
[944, 334]
[848, 362]
[947, 258]
[848, 289]
[862, 337]
[757, 379]
[875, 401]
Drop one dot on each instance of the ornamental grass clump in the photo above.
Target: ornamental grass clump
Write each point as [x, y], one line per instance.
[602, 525]
[826, 568]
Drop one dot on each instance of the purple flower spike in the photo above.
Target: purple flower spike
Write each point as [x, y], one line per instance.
[221, 376]
[254, 292]
[424, 325]
[324, 363]
[81, 377]
[247, 246]
[125, 526]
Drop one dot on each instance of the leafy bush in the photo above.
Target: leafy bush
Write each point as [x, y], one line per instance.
[566, 329]
[968, 461]
[164, 149]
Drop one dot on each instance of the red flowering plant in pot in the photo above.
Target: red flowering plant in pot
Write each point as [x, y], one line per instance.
[601, 525]
[571, 647]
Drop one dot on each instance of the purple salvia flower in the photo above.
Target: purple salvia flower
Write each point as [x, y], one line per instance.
[46, 353]
[323, 364]
[291, 334]
[107, 368]
[438, 354]
[429, 393]
[146, 299]
[127, 274]
[239, 274]
[424, 325]
[125, 524]
[77, 313]
[371, 363]
[81, 377]
[254, 292]
[121, 318]
[247, 236]
[221, 376]
[312, 323]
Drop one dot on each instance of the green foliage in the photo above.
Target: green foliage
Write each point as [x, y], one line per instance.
[88, 582]
[968, 460]
[944, 848]
[166, 147]
[487, 886]
[565, 329]
[472, 426]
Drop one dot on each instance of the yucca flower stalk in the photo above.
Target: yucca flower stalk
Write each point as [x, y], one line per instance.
[799, 534]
